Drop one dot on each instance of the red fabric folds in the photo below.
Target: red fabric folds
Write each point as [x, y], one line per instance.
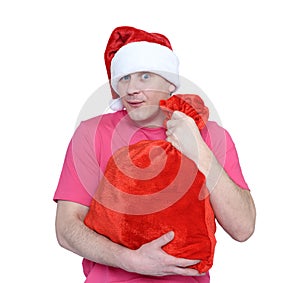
[150, 188]
[190, 104]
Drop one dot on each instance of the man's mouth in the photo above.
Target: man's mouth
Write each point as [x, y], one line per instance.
[135, 103]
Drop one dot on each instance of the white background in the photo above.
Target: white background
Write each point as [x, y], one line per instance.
[243, 54]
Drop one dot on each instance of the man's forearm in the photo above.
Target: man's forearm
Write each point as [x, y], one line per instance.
[149, 259]
[233, 206]
[72, 234]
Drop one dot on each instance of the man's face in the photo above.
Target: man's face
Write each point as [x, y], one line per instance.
[140, 93]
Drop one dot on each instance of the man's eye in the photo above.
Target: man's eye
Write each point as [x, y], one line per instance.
[145, 76]
[125, 78]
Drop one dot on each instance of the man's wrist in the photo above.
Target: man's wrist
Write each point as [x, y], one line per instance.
[212, 170]
[124, 259]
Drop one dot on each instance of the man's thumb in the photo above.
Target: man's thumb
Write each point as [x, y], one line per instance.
[164, 239]
[178, 115]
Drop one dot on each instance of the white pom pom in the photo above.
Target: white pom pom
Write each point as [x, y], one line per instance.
[116, 104]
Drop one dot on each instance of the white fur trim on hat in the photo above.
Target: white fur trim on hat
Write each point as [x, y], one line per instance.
[116, 104]
[145, 56]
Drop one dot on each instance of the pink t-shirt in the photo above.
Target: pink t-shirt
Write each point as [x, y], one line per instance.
[91, 146]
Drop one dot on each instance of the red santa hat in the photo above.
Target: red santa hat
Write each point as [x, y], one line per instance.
[131, 50]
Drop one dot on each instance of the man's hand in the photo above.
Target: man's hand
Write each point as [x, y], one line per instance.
[150, 259]
[183, 134]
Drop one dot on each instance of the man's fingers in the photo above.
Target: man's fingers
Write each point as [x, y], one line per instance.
[165, 263]
[176, 119]
[183, 262]
[177, 115]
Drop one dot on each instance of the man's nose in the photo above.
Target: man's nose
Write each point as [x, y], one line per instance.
[133, 86]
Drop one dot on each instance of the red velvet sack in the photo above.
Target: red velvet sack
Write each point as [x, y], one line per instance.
[150, 188]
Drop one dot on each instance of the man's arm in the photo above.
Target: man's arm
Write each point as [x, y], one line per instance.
[149, 259]
[233, 207]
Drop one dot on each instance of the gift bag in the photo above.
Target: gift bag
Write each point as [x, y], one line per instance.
[150, 188]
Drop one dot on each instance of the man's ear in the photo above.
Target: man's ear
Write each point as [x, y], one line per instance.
[172, 88]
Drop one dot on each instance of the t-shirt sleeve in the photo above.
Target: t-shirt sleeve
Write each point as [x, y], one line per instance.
[223, 147]
[80, 173]
[232, 164]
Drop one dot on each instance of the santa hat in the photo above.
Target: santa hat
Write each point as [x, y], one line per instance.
[131, 50]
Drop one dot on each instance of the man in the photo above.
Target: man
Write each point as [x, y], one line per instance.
[143, 70]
